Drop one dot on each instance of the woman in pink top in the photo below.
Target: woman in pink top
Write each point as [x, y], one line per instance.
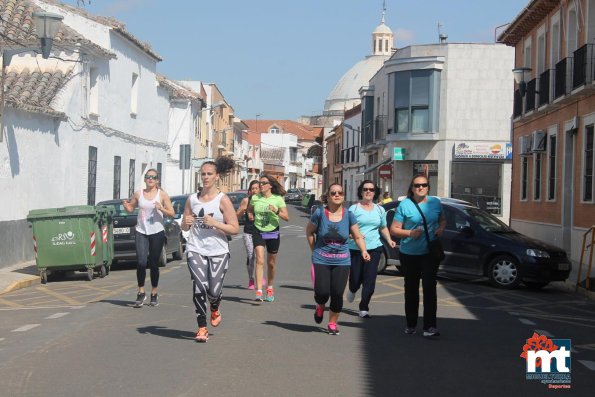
[153, 204]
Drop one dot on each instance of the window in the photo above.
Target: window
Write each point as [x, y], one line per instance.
[588, 167]
[537, 175]
[93, 91]
[555, 40]
[293, 154]
[573, 31]
[131, 171]
[527, 53]
[414, 97]
[117, 176]
[274, 130]
[92, 175]
[134, 95]
[541, 51]
[475, 182]
[160, 174]
[524, 177]
[551, 181]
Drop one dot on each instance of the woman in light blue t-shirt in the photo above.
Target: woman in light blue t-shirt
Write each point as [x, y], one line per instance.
[371, 219]
[416, 264]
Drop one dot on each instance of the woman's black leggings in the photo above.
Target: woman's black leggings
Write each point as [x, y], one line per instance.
[330, 281]
[148, 250]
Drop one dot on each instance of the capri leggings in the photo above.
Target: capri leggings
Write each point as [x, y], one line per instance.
[250, 254]
[207, 274]
[330, 282]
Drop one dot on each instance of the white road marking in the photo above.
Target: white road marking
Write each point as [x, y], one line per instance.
[588, 364]
[544, 332]
[526, 322]
[56, 315]
[25, 328]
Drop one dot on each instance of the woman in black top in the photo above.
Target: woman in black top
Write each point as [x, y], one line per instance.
[253, 188]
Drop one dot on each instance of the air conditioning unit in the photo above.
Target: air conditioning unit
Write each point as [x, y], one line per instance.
[538, 142]
[525, 143]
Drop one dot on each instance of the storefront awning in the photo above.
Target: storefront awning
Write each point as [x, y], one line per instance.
[373, 167]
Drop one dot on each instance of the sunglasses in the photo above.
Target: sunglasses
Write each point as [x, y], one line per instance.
[369, 189]
[153, 177]
[418, 185]
[335, 193]
[263, 183]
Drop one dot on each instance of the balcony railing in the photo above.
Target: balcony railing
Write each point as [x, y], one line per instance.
[544, 88]
[561, 77]
[274, 168]
[583, 66]
[517, 109]
[530, 96]
[368, 133]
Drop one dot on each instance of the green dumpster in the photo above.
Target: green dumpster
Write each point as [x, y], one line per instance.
[106, 223]
[71, 238]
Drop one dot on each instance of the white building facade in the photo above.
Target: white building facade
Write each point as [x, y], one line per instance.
[447, 108]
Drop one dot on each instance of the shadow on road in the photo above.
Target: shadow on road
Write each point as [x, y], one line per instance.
[295, 327]
[245, 301]
[117, 302]
[166, 332]
[298, 287]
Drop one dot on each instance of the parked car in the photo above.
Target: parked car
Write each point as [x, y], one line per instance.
[479, 244]
[125, 229]
[179, 202]
[294, 194]
[236, 198]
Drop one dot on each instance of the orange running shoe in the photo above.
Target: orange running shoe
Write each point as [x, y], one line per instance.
[202, 335]
[215, 318]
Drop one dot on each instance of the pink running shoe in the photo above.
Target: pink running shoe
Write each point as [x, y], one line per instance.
[251, 284]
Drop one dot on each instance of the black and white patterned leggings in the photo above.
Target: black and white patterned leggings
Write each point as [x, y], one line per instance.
[207, 274]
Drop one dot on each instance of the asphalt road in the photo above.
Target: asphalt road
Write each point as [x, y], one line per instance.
[73, 337]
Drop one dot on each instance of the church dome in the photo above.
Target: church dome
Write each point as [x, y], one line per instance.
[345, 95]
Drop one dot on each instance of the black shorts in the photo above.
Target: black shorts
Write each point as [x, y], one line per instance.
[271, 244]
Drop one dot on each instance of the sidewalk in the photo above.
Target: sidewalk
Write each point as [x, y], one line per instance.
[18, 276]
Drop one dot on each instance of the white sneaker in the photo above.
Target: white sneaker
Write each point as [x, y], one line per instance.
[364, 314]
[350, 296]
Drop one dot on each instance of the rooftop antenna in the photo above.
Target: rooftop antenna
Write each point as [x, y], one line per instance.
[441, 36]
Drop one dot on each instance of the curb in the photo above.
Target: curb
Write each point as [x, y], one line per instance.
[26, 282]
[572, 287]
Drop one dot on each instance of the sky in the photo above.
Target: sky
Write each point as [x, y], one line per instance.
[282, 58]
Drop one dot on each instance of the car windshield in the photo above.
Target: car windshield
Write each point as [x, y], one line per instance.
[178, 203]
[118, 208]
[236, 198]
[293, 191]
[487, 221]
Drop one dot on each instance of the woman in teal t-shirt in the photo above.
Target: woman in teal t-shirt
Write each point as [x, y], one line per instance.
[267, 207]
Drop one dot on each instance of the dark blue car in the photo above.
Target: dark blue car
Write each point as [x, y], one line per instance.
[477, 243]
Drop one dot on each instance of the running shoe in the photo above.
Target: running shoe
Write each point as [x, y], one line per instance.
[319, 313]
[251, 284]
[140, 299]
[350, 296]
[154, 300]
[364, 314]
[410, 330]
[432, 331]
[202, 335]
[215, 317]
[333, 329]
[270, 295]
[259, 296]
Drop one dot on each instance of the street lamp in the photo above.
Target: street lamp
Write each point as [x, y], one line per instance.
[520, 75]
[47, 24]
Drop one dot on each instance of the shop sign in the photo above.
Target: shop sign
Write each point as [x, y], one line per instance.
[483, 150]
[430, 169]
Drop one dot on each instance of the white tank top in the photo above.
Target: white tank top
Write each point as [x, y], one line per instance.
[206, 240]
[149, 220]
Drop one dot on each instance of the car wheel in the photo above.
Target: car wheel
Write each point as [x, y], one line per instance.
[503, 272]
[535, 284]
[177, 255]
[382, 262]
[163, 257]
